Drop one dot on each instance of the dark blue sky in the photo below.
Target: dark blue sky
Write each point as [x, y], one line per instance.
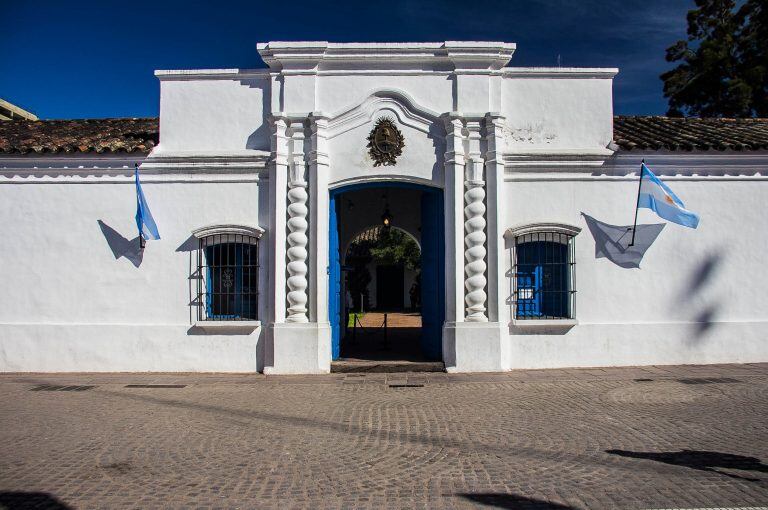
[70, 59]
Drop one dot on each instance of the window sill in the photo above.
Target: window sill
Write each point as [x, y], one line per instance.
[223, 327]
[544, 326]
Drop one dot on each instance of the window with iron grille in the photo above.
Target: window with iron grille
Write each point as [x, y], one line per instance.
[544, 274]
[228, 277]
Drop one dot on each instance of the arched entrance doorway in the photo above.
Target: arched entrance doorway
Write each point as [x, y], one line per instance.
[387, 208]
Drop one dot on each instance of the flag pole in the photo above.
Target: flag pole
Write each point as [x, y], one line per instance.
[637, 204]
[142, 242]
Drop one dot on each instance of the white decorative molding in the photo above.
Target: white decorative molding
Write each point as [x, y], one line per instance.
[118, 169]
[227, 327]
[382, 178]
[532, 228]
[228, 229]
[542, 326]
[474, 240]
[313, 57]
[297, 243]
[560, 72]
[407, 111]
[209, 74]
[576, 165]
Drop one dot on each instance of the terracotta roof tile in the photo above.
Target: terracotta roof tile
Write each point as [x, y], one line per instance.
[81, 135]
[686, 134]
[141, 135]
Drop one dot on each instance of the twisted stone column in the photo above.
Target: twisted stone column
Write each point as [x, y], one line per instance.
[474, 240]
[297, 247]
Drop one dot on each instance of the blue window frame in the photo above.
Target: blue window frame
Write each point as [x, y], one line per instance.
[228, 269]
[544, 276]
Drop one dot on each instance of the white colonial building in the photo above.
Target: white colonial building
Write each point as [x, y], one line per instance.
[515, 183]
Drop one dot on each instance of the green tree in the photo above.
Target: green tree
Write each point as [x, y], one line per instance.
[395, 247]
[753, 49]
[722, 70]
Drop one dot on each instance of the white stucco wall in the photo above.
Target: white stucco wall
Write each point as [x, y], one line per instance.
[214, 112]
[554, 110]
[76, 296]
[697, 296]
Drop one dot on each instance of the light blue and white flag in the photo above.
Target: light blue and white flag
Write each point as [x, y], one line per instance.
[144, 219]
[656, 196]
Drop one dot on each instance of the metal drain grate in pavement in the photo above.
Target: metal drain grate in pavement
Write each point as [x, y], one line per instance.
[708, 380]
[155, 385]
[53, 387]
[406, 385]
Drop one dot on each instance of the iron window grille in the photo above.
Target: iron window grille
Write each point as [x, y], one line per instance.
[544, 273]
[228, 277]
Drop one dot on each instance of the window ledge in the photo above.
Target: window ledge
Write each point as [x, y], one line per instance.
[223, 326]
[543, 324]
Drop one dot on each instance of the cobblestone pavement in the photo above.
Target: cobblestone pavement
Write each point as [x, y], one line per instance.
[654, 437]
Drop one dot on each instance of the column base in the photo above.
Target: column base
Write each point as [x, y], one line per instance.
[473, 347]
[298, 348]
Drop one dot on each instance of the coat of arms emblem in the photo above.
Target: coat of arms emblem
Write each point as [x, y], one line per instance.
[385, 143]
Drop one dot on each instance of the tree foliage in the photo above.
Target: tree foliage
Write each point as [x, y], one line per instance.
[392, 247]
[395, 248]
[723, 69]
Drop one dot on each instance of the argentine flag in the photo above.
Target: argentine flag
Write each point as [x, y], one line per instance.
[656, 196]
[144, 219]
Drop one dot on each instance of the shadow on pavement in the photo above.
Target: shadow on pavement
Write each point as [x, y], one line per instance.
[702, 461]
[29, 500]
[500, 500]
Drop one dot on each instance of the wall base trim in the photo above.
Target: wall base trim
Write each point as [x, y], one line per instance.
[298, 348]
[473, 347]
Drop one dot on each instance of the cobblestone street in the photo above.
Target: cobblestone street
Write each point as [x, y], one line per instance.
[638, 438]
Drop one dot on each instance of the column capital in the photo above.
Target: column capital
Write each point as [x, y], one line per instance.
[494, 136]
[318, 153]
[494, 117]
[452, 121]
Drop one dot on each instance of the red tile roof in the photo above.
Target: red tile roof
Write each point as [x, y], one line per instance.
[686, 134]
[77, 136]
[141, 135]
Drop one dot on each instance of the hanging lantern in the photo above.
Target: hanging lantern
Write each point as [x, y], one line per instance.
[386, 218]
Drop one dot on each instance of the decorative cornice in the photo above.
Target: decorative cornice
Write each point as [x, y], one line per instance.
[239, 166]
[210, 74]
[243, 159]
[408, 112]
[701, 165]
[533, 228]
[228, 229]
[560, 72]
[319, 56]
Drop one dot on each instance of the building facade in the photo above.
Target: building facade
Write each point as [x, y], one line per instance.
[519, 182]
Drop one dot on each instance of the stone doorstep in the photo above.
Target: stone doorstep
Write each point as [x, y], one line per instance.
[386, 367]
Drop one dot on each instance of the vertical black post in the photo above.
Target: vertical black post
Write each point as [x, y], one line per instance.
[386, 340]
[637, 203]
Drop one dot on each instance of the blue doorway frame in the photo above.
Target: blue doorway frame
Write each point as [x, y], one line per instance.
[432, 266]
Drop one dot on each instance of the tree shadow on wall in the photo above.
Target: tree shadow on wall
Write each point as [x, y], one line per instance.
[703, 316]
[511, 501]
[701, 460]
[612, 241]
[29, 500]
[122, 247]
